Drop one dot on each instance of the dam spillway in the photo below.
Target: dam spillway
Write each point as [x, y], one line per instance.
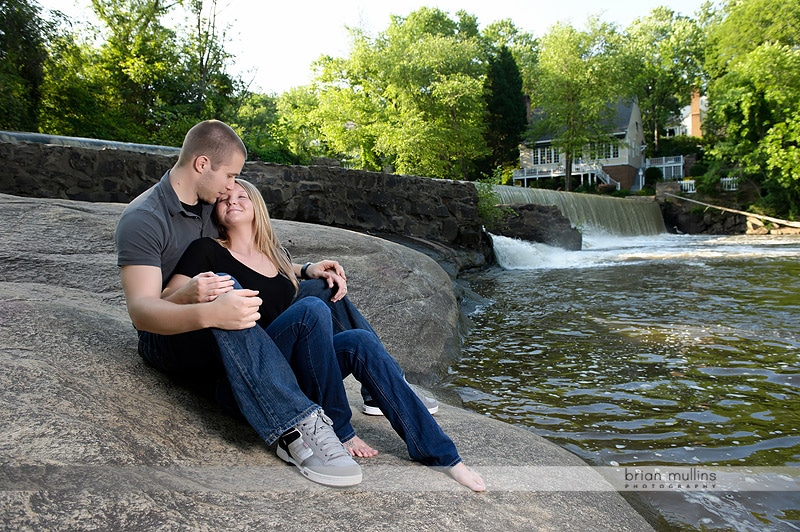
[589, 212]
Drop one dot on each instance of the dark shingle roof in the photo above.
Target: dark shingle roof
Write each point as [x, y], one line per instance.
[618, 123]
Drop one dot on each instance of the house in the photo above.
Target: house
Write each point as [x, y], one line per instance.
[690, 119]
[613, 163]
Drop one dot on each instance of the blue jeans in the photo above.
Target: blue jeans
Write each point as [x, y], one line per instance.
[344, 313]
[280, 374]
[259, 376]
[360, 352]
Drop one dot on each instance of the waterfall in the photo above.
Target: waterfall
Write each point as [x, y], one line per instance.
[617, 216]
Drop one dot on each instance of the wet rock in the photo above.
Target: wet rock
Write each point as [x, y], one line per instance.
[539, 223]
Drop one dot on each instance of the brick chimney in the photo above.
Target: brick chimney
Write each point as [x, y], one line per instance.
[695, 129]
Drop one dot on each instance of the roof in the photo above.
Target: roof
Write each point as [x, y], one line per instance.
[619, 123]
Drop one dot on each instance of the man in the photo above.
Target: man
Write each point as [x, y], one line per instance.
[204, 343]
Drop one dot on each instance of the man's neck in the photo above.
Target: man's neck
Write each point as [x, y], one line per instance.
[183, 183]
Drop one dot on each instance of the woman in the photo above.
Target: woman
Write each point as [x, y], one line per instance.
[250, 252]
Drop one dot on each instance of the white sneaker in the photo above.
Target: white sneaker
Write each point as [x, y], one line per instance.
[313, 447]
[371, 407]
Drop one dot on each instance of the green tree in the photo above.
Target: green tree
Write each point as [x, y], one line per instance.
[754, 98]
[664, 58]
[199, 86]
[72, 94]
[257, 124]
[507, 113]
[523, 46]
[411, 97]
[744, 25]
[137, 63]
[22, 56]
[577, 82]
[143, 82]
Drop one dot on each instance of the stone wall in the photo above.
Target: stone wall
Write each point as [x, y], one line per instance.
[432, 209]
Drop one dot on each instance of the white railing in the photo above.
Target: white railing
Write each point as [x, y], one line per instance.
[600, 173]
[521, 174]
[729, 184]
[665, 161]
[538, 173]
[671, 167]
[687, 185]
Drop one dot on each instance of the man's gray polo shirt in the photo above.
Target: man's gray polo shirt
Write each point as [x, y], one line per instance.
[155, 229]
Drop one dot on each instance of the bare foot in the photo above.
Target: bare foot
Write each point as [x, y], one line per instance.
[357, 447]
[467, 477]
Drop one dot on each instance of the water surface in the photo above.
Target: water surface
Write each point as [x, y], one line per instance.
[658, 350]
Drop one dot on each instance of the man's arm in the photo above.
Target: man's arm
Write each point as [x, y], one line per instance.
[234, 310]
[202, 288]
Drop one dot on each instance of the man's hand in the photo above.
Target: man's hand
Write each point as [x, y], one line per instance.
[150, 311]
[333, 273]
[202, 288]
[237, 309]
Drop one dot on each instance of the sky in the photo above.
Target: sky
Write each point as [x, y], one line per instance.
[275, 43]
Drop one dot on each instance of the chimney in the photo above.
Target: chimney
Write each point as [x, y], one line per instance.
[696, 124]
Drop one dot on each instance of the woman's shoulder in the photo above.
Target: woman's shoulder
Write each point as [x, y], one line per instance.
[206, 242]
[204, 247]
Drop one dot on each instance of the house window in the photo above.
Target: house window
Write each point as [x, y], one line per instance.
[603, 151]
[544, 156]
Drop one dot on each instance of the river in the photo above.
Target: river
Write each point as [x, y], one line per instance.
[660, 350]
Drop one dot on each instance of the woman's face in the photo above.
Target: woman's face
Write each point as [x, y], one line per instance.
[235, 208]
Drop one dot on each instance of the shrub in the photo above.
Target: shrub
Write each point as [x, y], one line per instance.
[652, 175]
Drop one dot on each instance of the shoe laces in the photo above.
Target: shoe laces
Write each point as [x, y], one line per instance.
[320, 429]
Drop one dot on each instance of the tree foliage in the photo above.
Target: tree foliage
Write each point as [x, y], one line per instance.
[506, 111]
[22, 56]
[754, 97]
[135, 78]
[663, 54]
[577, 84]
[411, 98]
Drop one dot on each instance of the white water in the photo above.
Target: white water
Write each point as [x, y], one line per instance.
[608, 250]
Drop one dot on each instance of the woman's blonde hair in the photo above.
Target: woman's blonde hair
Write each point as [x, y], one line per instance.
[266, 240]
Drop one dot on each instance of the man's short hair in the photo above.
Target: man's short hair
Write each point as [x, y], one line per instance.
[212, 138]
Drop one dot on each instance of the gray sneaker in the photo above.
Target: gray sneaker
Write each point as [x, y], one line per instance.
[313, 447]
[371, 407]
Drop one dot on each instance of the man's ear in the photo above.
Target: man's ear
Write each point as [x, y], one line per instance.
[201, 162]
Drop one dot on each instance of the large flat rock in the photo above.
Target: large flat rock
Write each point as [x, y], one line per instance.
[93, 439]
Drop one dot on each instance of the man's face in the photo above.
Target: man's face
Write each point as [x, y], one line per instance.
[218, 182]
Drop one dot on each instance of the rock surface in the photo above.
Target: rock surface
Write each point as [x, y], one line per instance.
[539, 223]
[93, 439]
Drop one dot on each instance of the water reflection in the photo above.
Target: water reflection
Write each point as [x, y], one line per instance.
[658, 350]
